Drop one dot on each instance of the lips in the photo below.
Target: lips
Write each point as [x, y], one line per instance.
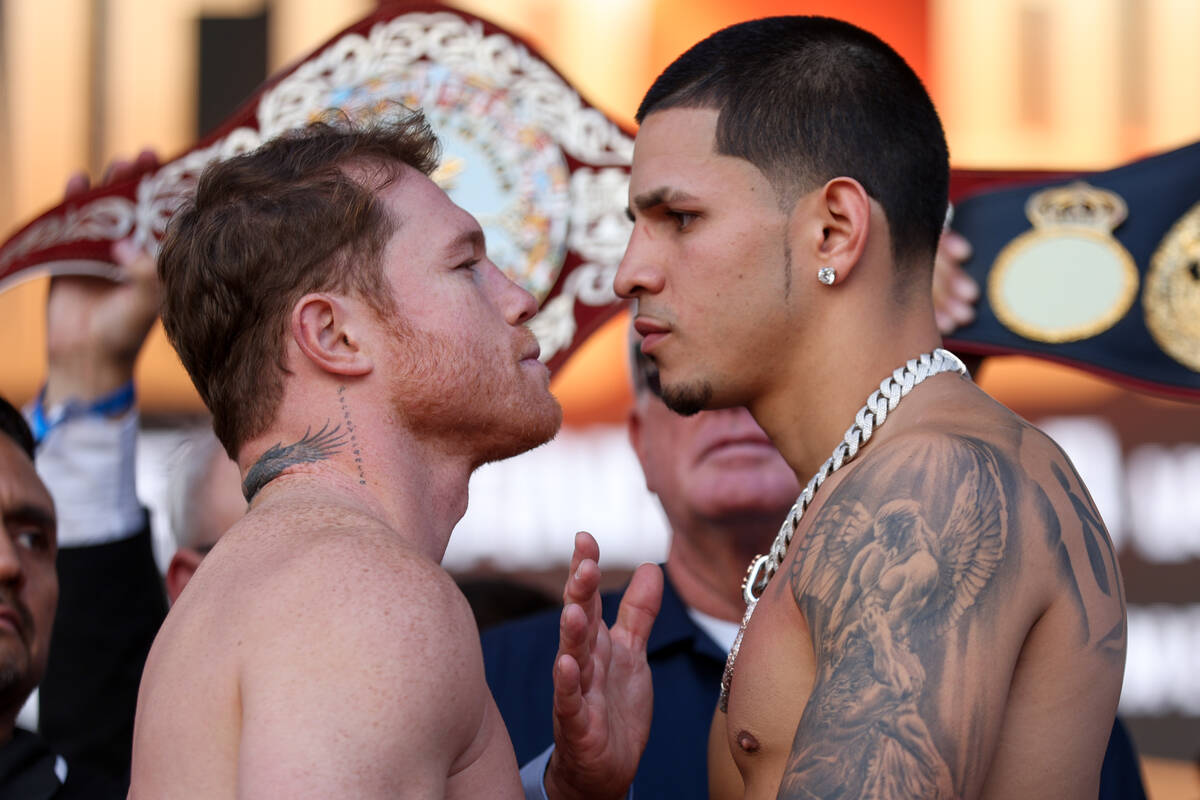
[651, 330]
[729, 428]
[748, 440]
[529, 348]
[648, 326]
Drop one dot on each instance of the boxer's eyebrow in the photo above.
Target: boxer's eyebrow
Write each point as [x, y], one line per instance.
[468, 240]
[660, 196]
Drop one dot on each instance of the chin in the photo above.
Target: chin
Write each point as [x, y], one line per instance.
[16, 683]
[688, 399]
[524, 429]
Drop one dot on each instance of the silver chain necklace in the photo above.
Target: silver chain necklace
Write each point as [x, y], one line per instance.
[866, 422]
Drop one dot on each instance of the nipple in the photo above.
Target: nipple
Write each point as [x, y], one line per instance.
[747, 742]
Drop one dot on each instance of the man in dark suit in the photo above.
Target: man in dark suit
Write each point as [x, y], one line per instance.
[29, 768]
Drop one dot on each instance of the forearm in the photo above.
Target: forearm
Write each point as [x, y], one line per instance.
[88, 462]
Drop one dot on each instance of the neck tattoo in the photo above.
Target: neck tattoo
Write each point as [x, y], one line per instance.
[872, 415]
[354, 448]
[318, 446]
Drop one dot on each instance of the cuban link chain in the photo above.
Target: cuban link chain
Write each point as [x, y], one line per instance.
[881, 402]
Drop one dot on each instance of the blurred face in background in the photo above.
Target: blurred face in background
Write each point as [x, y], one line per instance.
[28, 580]
[714, 466]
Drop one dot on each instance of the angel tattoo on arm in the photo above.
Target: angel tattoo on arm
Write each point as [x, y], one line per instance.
[879, 588]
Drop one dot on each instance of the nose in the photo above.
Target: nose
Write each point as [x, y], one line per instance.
[637, 273]
[518, 305]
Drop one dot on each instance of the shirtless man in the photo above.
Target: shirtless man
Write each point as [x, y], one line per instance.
[361, 356]
[948, 619]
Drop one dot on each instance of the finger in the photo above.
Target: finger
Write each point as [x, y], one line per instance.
[963, 286]
[123, 169]
[960, 312]
[601, 645]
[582, 584]
[587, 595]
[955, 245]
[577, 639]
[115, 169]
[136, 261]
[569, 709]
[585, 547]
[139, 269]
[639, 607]
[580, 620]
[77, 184]
[146, 160]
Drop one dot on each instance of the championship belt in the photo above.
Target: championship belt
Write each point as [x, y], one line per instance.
[1099, 271]
[545, 173]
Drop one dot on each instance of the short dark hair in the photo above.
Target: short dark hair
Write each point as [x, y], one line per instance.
[808, 99]
[14, 426]
[299, 214]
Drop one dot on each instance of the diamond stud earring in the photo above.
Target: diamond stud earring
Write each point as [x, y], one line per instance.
[827, 275]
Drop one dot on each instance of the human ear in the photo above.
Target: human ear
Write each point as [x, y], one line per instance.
[844, 208]
[183, 566]
[327, 329]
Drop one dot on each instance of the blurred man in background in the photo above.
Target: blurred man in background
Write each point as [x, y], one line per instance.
[29, 768]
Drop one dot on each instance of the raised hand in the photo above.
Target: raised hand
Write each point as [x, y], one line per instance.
[95, 327]
[602, 687]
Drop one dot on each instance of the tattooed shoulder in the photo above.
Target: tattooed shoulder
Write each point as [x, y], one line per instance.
[1072, 524]
[920, 529]
[908, 547]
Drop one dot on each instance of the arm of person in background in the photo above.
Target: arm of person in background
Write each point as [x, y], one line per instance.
[111, 599]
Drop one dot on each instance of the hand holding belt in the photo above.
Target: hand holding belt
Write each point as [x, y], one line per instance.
[1099, 271]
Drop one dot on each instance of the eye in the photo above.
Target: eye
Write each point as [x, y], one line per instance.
[682, 218]
[32, 538]
[468, 265]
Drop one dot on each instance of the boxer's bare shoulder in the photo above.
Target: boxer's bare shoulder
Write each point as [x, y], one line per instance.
[316, 653]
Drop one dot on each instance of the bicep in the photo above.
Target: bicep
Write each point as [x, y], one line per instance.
[886, 711]
[378, 703]
[311, 747]
[915, 657]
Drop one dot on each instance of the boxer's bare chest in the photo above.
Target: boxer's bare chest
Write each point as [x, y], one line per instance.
[775, 673]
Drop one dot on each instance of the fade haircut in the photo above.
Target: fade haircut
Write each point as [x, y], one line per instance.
[809, 99]
[299, 214]
[14, 426]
